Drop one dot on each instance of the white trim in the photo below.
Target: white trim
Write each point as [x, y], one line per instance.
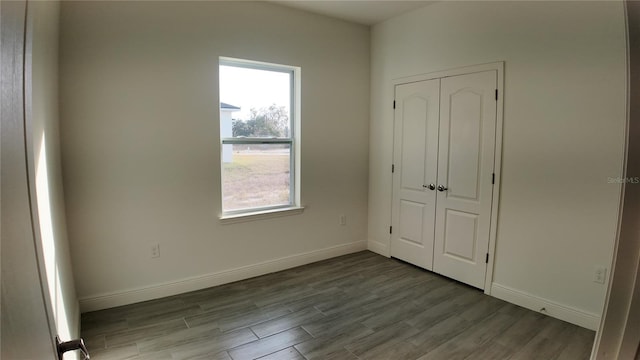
[256, 140]
[497, 170]
[378, 248]
[498, 65]
[256, 65]
[261, 215]
[113, 299]
[293, 140]
[570, 314]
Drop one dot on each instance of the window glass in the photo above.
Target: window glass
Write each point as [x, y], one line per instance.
[256, 135]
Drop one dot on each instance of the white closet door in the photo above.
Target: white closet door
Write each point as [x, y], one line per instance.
[465, 167]
[415, 156]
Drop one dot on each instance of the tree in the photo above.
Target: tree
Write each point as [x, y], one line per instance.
[242, 128]
[264, 122]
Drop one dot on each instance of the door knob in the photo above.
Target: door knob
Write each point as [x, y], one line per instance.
[77, 344]
[442, 188]
[430, 187]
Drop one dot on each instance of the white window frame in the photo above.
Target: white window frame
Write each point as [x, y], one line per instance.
[293, 141]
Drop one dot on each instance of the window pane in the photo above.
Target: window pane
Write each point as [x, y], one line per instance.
[254, 102]
[256, 176]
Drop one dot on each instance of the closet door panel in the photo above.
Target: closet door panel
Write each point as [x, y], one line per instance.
[464, 145]
[465, 167]
[415, 157]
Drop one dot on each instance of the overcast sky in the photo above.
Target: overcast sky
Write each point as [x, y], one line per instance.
[251, 88]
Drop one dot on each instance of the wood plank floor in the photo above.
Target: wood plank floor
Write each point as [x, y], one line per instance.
[358, 306]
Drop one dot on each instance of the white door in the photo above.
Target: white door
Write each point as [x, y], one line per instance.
[26, 331]
[28, 327]
[465, 168]
[415, 169]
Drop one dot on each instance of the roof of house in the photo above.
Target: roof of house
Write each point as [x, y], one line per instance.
[228, 106]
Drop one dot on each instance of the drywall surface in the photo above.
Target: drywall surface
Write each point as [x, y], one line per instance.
[140, 138]
[42, 31]
[563, 140]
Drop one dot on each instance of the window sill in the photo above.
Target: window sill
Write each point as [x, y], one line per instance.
[261, 215]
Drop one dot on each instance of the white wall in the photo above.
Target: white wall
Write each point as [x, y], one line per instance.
[140, 135]
[43, 31]
[564, 118]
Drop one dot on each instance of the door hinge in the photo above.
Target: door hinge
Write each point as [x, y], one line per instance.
[496, 94]
[390, 229]
[394, 104]
[486, 260]
[393, 168]
[493, 178]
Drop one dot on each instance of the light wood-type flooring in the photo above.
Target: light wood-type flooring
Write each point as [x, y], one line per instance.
[357, 306]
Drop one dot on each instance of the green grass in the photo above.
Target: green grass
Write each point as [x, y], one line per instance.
[255, 179]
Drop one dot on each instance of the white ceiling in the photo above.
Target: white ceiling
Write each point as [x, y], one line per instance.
[367, 12]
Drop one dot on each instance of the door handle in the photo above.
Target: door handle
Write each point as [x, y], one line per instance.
[77, 344]
[430, 187]
[442, 188]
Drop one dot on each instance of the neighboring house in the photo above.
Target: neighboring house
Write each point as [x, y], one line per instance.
[226, 129]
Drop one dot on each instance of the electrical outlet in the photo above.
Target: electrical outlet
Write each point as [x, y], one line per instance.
[343, 219]
[155, 250]
[599, 274]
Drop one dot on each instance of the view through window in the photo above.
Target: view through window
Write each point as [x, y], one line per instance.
[256, 133]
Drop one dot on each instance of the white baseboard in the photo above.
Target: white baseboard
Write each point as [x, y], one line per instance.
[378, 248]
[563, 312]
[105, 301]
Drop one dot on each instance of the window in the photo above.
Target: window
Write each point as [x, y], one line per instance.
[258, 127]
